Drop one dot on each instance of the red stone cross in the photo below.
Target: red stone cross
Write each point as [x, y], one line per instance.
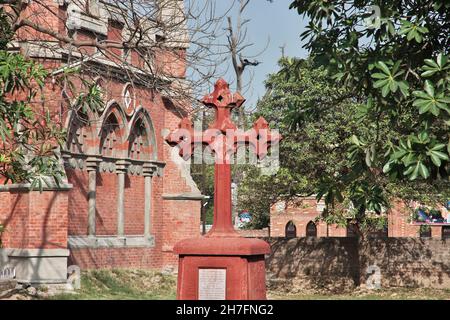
[223, 138]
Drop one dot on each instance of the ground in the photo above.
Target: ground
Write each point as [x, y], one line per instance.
[151, 285]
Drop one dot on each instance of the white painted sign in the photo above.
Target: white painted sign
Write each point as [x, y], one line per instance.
[212, 284]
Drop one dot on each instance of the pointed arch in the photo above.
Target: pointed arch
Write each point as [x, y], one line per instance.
[113, 131]
[142, 138]
[311, 229]
[80, 131]
[290, 230]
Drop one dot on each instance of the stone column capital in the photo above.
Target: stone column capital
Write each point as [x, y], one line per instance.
[148, 169]
[92, 163]
[122, 166]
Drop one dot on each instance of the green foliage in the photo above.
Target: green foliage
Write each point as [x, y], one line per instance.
[30, 135]
[424, 228]
[400, 66]
[316, 120]
[398, 69]
[329, 149]
[29, 140]
[122, 284]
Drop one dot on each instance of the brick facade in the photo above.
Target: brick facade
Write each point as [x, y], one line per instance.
[106, 158]
[34, 220]
[306, 210]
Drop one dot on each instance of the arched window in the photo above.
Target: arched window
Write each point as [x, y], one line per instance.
[425, 231]
[110, 136]
[139, 147]
[445, 232]
[77, 133]
[311, 229]
[290, 230]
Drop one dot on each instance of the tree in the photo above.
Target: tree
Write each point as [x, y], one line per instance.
[397, 63]
[79, 31]
[317, 118]
[28, 139]
[171, 38]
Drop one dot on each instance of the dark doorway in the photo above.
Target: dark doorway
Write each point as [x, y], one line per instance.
[290, 230]
[445, 232]
[425, 231]
[311, 229]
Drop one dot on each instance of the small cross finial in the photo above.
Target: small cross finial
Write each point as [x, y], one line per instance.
[222, 97]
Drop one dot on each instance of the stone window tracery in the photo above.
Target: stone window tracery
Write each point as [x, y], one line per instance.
[78, 133]
[139, 148]
[110, 137]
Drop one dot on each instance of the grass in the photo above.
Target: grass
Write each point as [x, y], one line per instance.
[124, 284]
[382, 294]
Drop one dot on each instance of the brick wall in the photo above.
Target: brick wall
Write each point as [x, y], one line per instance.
[46, 221]
[301, 213]
[255, 233]
[144, 258]
[34, 220]
[307, 210]
[340, 264]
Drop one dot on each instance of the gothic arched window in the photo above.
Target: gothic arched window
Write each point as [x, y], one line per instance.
[311, 229]
[77, 133]
[110, 136]
[139, 147]
[290, 230]
[425, 231]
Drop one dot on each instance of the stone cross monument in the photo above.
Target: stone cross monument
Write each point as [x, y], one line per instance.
[222, 264]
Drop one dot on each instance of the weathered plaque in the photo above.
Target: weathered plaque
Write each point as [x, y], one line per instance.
[212, 284]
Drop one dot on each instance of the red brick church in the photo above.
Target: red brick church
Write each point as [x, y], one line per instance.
[128, 196]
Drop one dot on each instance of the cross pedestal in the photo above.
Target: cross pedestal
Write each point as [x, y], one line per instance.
[222, 264]
[231, 268]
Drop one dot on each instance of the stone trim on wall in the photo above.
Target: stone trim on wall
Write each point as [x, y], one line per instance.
[184, 196]
[109, 164]
[51, 186]
[80, 242]
[37, 265]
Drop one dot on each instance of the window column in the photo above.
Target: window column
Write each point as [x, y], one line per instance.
[147, 172]
[121, 170]
[91, 166]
